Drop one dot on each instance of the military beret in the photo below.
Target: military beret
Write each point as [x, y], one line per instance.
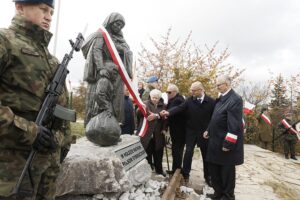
[48, 2]
[152, 79]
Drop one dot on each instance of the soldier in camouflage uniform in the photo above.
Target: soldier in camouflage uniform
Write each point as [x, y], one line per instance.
[26, 68]
[152, 83]
[289, 139]
[264, 130]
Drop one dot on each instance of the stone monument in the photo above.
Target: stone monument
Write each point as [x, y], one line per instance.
[89, 170]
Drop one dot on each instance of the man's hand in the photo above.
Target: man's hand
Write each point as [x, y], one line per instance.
[224, 149]
[164, 132]
[152, 117]
[164, 114]
[205, 135]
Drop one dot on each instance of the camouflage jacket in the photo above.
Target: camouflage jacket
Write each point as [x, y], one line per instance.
[26, 68]
[287, 134]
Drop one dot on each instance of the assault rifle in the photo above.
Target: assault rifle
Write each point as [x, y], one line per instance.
[49, 110]
[286, 131]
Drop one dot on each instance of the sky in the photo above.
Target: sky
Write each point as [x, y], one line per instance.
[262, 35]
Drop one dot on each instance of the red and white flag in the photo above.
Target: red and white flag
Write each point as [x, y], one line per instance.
[290, 128]
[248, 108]
[266, 119]
[125, 77]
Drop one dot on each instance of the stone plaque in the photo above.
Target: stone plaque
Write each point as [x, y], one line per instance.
[131, 155]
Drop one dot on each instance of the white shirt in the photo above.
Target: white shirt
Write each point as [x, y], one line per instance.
[201, 98]
[226, 92]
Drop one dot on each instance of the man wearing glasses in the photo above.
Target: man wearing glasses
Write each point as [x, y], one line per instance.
[176, 125]
[198, 109]
[225, 140]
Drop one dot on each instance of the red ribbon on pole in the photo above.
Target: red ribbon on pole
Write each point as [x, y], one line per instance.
[125, 77]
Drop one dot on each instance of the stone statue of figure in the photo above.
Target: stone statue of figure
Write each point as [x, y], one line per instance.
[97, 55]
[103, 128]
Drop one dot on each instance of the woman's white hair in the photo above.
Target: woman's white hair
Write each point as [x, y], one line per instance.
[155, 93]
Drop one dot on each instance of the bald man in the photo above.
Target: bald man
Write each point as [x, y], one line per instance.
[198, 109]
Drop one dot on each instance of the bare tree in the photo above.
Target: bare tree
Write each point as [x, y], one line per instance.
[184, 62]
[293, 89]
[255, 93]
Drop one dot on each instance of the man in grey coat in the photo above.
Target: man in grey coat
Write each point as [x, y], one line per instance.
[225, 144]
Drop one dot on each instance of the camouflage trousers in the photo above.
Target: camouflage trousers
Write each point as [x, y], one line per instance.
[44, 171]
[266, 145]
[289, 146]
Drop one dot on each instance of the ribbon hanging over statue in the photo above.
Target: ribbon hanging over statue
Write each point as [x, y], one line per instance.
[290, 128]
[125, 77]
[266, 119]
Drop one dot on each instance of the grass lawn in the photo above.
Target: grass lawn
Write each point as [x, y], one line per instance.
[77, 129]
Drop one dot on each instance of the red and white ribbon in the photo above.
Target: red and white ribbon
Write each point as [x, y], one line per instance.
[266, 119]
[125, 77]
[231, 138]
[290, 128]
[248, 108]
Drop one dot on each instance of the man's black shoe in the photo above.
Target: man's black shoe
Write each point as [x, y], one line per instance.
[232, 197]
[170, 172]
[214, 196]
[294, 158]
[286, 157]
[208, 182]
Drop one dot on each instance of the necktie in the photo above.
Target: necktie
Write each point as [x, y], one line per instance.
[199, 100]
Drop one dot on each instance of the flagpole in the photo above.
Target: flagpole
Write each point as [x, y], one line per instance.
[56, 29]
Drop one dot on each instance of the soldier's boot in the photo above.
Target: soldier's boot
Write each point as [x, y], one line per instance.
[294, 157]
[286, 156]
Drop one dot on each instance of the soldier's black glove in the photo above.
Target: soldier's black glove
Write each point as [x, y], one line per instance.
[44, 140]
[63, 154]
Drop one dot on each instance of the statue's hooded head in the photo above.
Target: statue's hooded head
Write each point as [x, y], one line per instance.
[114, 19]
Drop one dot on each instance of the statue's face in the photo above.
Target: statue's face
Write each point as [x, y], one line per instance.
[117, 26]
[114, 74]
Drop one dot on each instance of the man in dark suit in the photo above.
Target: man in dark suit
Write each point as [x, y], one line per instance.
[198, 110]
[176, 126]
[128, 125]
[225, 144]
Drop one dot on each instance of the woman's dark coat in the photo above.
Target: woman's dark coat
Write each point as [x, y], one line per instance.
[155, 127]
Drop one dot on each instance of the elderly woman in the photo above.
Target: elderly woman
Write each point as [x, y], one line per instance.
[154, 140]
[96, 54]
